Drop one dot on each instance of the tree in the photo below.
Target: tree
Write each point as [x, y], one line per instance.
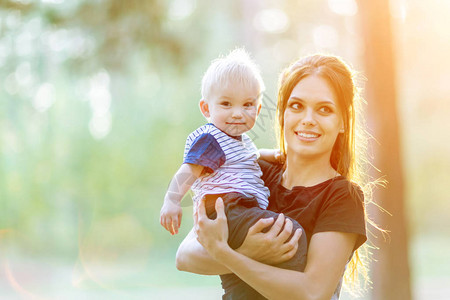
[391, 274]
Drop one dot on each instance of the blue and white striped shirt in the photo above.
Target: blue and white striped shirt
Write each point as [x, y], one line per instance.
[233, 163]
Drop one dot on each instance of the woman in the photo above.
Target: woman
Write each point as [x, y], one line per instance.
[316, 116]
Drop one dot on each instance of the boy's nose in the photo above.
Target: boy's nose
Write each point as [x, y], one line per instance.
[237, 113]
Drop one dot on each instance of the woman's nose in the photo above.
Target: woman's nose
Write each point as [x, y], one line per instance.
[309, 117]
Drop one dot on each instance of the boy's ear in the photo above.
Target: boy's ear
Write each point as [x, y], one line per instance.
[259, 109]
[204, 108]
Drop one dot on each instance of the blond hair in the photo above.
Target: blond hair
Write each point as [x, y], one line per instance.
[237, 67]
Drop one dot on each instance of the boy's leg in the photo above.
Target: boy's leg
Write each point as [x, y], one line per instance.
[242, 213]
[241, 218]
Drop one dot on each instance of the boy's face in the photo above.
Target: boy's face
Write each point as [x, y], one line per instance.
[232, 108]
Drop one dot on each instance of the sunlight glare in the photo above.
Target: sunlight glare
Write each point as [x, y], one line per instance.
[113, 248]
[285, 50]
[52, 1]
[271, 20]
[10, 84]
[23, 74]
[13, 19]
[24, 44]
[58, 40]
[325, 37]
[398, 9]
[99, 95]
[343, 7]
[14, 283]
[100, 126]
[100, 102]
[44, 98]
[5, 51]
[181, 9]
[23, 2]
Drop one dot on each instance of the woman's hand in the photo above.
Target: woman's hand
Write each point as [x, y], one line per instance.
[211, 234]
[272, 247]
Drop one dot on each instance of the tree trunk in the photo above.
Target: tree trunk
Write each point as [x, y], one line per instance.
[390, 268]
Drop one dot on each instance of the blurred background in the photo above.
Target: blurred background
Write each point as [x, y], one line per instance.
[97, 98]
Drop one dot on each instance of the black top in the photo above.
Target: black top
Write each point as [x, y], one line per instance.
[333, 205]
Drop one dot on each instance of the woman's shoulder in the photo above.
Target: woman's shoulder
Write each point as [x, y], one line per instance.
[342, 209]
[341, 186]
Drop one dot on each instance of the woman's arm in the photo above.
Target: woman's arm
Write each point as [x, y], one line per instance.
[327, 256]
[192, 257]
[271, 247]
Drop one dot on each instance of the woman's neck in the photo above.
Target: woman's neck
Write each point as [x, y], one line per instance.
[306, 172]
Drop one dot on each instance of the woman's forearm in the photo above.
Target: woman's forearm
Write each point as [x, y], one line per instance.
[269, 281]
[327, 256]
[192, 257]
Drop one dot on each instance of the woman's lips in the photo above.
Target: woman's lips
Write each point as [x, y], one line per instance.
[309, 136]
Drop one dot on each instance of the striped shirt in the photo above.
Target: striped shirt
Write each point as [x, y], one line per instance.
[232, 162]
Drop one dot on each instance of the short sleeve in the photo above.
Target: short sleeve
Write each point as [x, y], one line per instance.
[343, 211]
[205, 151]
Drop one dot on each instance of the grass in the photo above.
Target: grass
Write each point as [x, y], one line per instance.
[155, 276]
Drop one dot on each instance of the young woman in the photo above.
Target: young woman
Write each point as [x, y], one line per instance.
[316, 186]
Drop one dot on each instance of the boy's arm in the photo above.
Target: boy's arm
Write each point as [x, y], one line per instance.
[171, 213]
[271, 155]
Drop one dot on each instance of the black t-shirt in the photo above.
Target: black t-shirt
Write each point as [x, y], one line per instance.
[333, 205]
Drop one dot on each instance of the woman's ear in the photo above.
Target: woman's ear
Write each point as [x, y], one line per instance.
[259, 109]
[342, 129]
[204, 108]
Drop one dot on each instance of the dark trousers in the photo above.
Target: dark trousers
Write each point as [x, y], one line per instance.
[242, 213]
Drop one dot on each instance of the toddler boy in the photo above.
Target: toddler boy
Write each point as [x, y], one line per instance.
[220, 160]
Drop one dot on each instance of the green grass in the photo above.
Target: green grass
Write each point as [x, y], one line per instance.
[154, 276]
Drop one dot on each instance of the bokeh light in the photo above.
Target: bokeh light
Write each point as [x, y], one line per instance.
[343, 7]
[271, 20]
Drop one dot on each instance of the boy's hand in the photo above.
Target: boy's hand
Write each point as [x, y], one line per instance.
[279, 157]
[170, 216]
[272, 155]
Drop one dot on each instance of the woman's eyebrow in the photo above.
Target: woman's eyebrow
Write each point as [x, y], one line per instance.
[295, 98]
[320, 102]
[327, 102]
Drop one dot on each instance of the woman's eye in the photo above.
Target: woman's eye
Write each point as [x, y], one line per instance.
[325, 109]
[225, 103]
[295, 106]
[248, 104]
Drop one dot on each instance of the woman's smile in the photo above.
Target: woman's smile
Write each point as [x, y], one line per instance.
[307, 136]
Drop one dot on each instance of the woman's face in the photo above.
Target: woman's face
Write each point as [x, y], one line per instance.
[312, 119]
